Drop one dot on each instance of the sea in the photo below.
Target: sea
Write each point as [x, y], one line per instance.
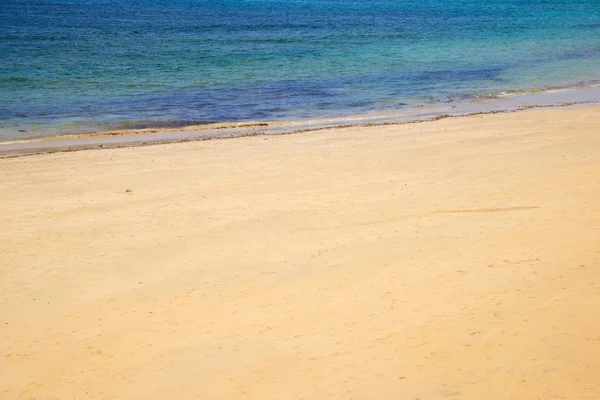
[83, 66]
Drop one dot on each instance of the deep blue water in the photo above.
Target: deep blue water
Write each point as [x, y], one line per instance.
[69, 66]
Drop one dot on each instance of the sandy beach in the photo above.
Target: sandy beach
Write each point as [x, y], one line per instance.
[453, 259]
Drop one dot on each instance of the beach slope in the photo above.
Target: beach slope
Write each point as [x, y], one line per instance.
[453, 259]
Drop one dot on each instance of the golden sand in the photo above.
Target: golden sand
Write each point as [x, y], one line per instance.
[455, 259]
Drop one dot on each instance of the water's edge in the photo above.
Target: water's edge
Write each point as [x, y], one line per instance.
[555, 98]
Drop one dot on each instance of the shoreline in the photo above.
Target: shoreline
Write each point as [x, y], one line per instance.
[514, 102]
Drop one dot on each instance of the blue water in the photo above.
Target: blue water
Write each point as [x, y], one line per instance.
[71, 66]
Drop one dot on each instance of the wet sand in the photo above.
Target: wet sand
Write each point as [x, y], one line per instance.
[454, 259]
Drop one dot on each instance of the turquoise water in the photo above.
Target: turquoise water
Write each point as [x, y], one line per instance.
[71, 66]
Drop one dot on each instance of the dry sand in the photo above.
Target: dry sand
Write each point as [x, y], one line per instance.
[456, 259]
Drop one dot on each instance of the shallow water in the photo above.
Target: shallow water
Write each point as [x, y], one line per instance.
[96, 65]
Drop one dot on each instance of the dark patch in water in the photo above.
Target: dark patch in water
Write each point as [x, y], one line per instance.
[575, 55]
[461, 74]
[592, 25]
